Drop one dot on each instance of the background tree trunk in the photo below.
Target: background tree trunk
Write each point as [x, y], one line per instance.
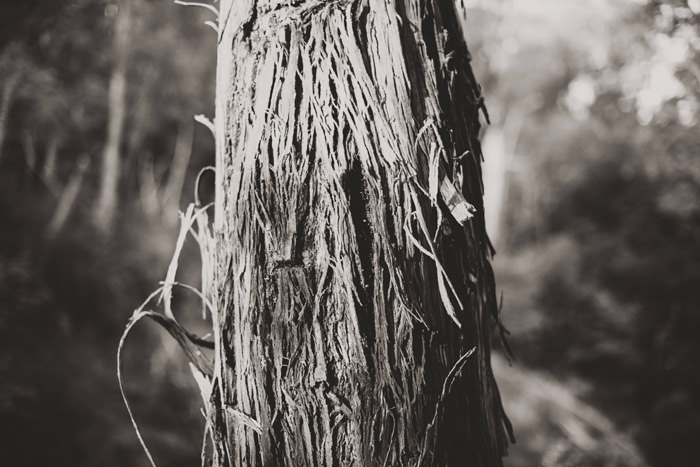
[29, 146]
[106, 204]
[48, 171]
[353, 278]
[8, 93]
[67, 198]
[178, 170]
[148, 186]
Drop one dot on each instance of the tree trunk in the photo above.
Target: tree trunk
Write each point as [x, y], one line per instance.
[29, 151]
[106, 205]
[48, 171]
[8, 93]
[495, 180]
[148, 186]
[178, 171]
[67, 198]
[353, 275]
[139, 115]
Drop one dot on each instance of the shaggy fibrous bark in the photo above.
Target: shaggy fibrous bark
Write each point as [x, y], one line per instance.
[352, 263]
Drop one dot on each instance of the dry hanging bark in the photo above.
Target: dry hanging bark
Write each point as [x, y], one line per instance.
[352, 264]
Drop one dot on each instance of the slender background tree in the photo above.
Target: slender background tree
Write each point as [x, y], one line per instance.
[105, 208]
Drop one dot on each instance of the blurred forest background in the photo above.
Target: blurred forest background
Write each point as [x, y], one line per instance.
[592, 183]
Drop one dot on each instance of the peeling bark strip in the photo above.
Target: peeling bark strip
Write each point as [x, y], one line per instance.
[348, 287]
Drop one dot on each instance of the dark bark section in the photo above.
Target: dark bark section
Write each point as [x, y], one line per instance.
[348, 295]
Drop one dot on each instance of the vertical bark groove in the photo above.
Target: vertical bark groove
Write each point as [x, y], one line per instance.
[342, 274]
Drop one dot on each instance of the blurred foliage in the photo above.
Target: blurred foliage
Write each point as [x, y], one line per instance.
[64, 301]
[64, 61]
[600, 242]
[63, 307]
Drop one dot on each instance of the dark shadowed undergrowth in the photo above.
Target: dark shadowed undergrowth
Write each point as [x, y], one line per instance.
[62, 308]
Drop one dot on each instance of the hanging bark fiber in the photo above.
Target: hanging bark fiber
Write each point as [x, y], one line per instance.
[352, 264]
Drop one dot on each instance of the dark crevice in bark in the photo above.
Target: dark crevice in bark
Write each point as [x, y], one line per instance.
[414, 69]
[360, 12]
[355, 186]
[247, 27]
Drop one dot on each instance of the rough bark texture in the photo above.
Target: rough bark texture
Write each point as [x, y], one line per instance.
[351, 281]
